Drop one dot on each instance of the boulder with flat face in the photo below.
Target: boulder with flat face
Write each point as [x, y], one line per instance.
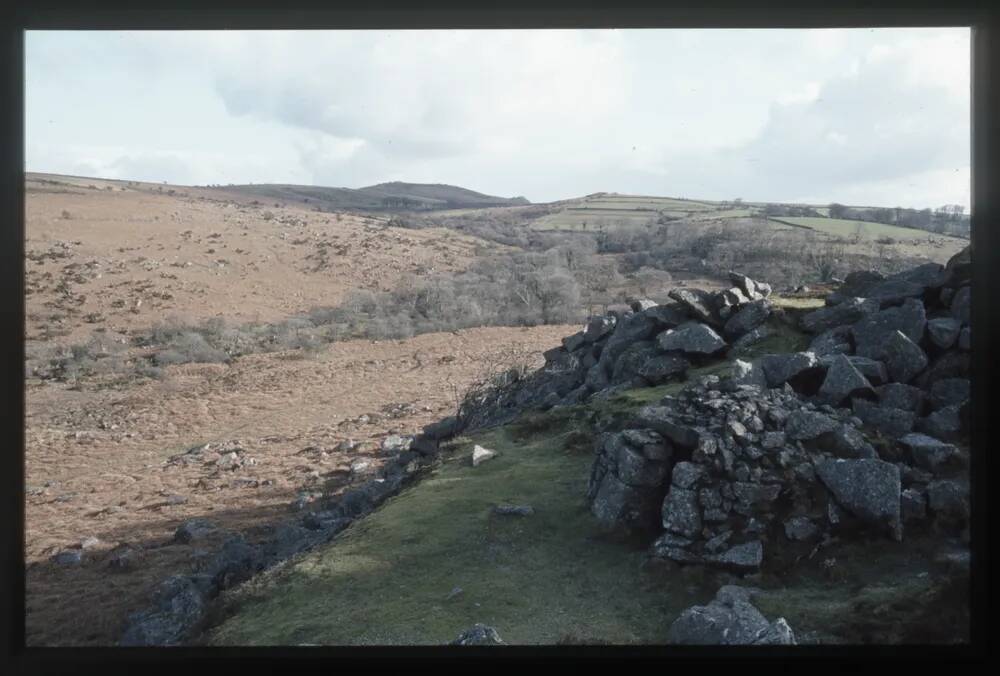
[696, 303]
[691, 338]
[843, 381]
[780, 368]
[943, 331]
[748, 317]
[902, 357]
[845, 313]
[869, 489]
[729, 619]
[871, 332]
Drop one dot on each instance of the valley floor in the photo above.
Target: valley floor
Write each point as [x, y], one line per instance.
[97, 459]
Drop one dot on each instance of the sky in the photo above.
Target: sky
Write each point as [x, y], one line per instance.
[869, 117]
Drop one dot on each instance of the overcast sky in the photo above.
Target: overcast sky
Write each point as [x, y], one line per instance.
[876, 117]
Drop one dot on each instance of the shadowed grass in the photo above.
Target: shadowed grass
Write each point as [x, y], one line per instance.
[551, 577]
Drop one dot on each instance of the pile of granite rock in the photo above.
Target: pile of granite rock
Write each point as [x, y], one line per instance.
[649, 345]
[868, 428]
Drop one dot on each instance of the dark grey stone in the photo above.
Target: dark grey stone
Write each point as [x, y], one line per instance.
[803, 425]
[892, 422]
[868, 489]
[598, 327]
[943, 331]
[965, 339]
[927, 452]
[748, 373]
[847, 312]
[68, 557]
[951, 364]
[780, 368]
[687, 475]
[800, 528]
[848, 442]
[903, 397]
[681, 513]
[479, 634]
[842, 381]
[913, 505]
[752, 289]
[961, 305]
[743, 557]
[662, 420]
[195, 529]
[574, 342]
[949, 392]
[948, 499]
[745, 342]
[903, 358]
[693, 337]
[872, 369]
[729, 619]
[832, 341]
[749, 317]
[944, 423]
[514, 510]
[871, 332]
[179, 608]
[696, 302]
[660, 368]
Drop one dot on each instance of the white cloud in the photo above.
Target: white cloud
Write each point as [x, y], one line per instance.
[763, 114]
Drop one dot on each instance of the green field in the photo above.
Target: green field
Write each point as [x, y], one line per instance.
[847, 229]
[613, 212]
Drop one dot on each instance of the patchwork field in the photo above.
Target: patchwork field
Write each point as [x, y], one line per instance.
[849, 229]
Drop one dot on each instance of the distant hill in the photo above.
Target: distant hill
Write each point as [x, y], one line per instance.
[396, 196]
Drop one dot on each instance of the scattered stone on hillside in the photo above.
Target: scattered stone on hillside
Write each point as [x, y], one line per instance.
[949, 392]
[481, 455]
[869, 489]
[514, 510]
[394, 443]
[871, 332]
[698, 303]
[178, 609]
[748, 317]
[961, 305]
[780, 368]
[68, 557]
[479, 634]
[928, 452]
[892, 422]
[842, 381]
[692, 338]
[193, 530]
[598, 327]
[943, 331]
[125, 558]
[903, 397]
[729, 619]
[835, 316]
[903, 358]
[948, 499]
[832, 341]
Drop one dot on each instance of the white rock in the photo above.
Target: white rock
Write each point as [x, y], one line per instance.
[480, 454]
